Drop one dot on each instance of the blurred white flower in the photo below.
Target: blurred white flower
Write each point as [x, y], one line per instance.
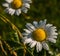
[51, 53]
[39, 34]
[17, 6]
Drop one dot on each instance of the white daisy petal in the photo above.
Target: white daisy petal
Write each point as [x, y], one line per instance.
[35, 23]
[38, 47]
[11, 11]
[27, 40]
[27, 1]
[25, 34]
[32, 44]
[5, 4]
[45, 46]
[48, 26]
[54, 33]
[26, 5]
[30, 26]
[27, 31]
[9, 1]
[51, 32]
[42, 23]
[24, 9]
[7, 10]
[52, 40]
[52, 36]
[18, 12]
[23, 39]
[53, 28]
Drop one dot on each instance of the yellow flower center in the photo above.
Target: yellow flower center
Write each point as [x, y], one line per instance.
[17, 4]
[39, 35]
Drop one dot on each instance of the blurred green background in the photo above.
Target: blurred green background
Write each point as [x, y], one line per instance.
[39, 10]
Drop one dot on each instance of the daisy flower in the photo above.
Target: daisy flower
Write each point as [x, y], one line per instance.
[38, 34]
[16, 6]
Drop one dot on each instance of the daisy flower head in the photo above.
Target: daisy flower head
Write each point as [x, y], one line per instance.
[17, 6]
[38, 34]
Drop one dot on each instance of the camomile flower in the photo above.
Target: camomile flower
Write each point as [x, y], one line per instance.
[38, 34]
[17, 6]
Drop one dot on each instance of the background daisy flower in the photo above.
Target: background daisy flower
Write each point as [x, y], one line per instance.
[39, 34]
[16, 6]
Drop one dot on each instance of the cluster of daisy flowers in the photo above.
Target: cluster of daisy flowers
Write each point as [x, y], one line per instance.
[17, 6]
[38, 34]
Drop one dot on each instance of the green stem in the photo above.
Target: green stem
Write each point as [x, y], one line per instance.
[44, 53]
[16, 29]
[29, 52]
[3, 48]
